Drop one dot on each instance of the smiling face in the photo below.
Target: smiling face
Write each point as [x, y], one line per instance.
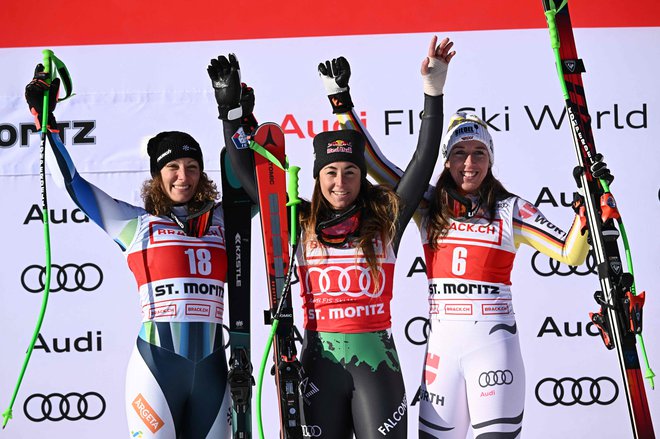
[180, 179]
[340, 184]
[468, 165]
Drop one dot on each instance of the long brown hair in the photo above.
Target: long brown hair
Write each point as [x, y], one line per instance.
[156, 201]
[381, 208]
[490, 192]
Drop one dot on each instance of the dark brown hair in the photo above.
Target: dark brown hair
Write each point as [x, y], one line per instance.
[490, 192]
[156, 201]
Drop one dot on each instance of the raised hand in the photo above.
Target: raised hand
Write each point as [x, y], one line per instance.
[435, 66]
[335, 75]
[34, 95]
[225, 75]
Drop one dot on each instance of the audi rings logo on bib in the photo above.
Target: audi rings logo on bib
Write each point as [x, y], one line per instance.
[551, 267]
[353, 281]
[67, 277]
[569, 391]
[72, 406]
[495, 378]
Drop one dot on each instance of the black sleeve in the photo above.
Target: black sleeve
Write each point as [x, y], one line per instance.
[415, 179]
[242, 160]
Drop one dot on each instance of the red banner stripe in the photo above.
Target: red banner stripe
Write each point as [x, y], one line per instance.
[77, 22]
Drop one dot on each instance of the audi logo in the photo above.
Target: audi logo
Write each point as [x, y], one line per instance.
[57, 407]
[555, 268]
[311, 431]
[495, 378]
[69, 277]
[417, 330]
[345, 282]
[583, 391]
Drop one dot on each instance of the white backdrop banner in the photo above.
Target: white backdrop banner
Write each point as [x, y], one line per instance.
[127, 93]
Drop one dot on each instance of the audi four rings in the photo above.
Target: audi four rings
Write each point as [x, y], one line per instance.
[495, 378]
[69, 277]
[364, 281]
[556, 268]
[569, 391]
[72, 406]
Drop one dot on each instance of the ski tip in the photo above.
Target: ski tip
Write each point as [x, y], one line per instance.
[269, 135]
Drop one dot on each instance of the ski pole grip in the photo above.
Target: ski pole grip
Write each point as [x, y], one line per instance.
[552, 28]
[48, 61]
[292, 192]
[48, 56]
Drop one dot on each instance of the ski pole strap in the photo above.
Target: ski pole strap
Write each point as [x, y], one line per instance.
[54, 67]
[65, 77]
[254, 146]
[292, 185]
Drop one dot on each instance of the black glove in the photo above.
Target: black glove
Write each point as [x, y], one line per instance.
[225, 75]
[599, 169]
[34, 95]
[580, 211]
[248, 121]
[335, 75]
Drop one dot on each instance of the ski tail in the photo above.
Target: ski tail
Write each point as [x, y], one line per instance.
[237, 208]
[270, 164]
[619, 319]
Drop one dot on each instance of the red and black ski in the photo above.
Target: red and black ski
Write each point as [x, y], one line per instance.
[271, 184]
[620, 316]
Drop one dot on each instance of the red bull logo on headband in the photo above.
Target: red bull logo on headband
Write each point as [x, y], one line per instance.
[339, 146]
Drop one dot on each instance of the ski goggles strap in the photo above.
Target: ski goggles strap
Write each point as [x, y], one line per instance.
[198, 223]
[336, 232]
[460, 207]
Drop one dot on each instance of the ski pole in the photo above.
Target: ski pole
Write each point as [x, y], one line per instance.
[292, 203]
[52, 65]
